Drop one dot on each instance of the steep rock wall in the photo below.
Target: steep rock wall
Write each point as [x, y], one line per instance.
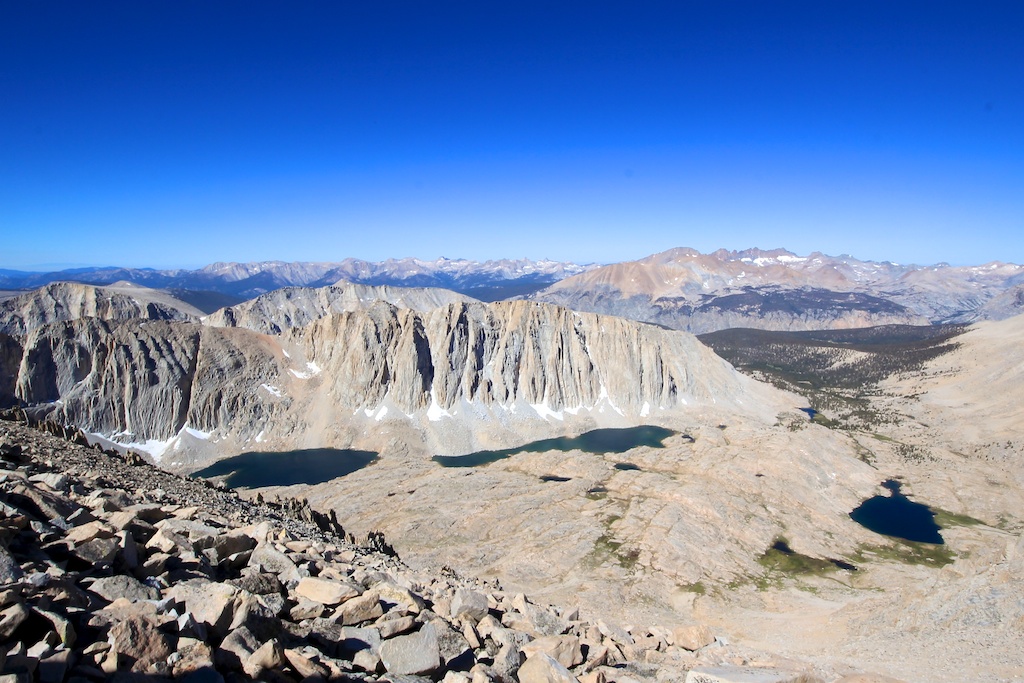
[452, 373]
[63, 301]
[507, 352]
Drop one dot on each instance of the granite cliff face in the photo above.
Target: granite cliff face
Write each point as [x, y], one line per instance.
[516, 357]
[144, 380]
[10, 359]
[459, 376]
[62, 301]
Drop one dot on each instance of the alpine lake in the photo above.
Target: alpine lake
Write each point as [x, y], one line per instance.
[892, 515]
[258, 469]
[898, 516]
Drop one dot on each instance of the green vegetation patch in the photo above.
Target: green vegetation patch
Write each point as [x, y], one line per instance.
[607, 548]
[907, 552]
[946, 519]
[783, 559]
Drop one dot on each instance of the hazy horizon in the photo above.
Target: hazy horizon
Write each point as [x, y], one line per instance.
[61, 267]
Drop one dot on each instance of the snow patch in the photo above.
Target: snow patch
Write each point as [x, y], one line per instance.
[154, 448]
[377, 414]
[604, 398]
[198, 433]
[311, 369]
[545, 411]
[435, 412]
[272, 390]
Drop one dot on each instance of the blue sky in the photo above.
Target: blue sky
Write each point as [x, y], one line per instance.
[180, 133]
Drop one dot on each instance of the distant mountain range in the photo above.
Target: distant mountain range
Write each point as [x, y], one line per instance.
[680, 288]
[779, 290]
[236, 282]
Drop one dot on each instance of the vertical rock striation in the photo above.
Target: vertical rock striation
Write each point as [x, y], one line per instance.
[458, 367]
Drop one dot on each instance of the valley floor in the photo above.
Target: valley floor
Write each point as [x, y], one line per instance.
[682, 537]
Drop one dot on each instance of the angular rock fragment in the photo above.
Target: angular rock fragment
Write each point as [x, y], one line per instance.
[417, 653]
[97, 551]
[359, 610]
[111, 588]
[11, 618]
[10, 571]
[235, 649]
[393, 627]
[139, 640]
[209, 602]
[268, 657]
[542, 668]
[693, 637]
[469, 604]
[325, 592]
[453, 647]
[566, 650]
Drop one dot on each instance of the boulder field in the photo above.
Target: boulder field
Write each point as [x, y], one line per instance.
[113, 569]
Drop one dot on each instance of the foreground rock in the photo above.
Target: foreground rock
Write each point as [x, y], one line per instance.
[184, 581]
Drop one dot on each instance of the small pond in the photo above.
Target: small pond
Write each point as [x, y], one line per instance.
[256, 469]
[898, 516]
[598, 441]
[627, 466]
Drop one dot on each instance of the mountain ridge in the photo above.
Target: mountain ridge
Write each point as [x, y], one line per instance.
[463, 375]
[248, 280]
[777, 289]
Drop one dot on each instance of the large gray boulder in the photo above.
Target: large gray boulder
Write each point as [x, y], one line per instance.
[417, 653]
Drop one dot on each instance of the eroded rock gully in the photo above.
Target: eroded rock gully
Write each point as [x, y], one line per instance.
[113, 569]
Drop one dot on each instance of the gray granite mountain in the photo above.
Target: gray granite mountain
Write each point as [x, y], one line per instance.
[460, 375]
[62, 301]
[778, 290]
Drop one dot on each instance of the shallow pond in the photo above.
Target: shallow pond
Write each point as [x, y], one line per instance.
[256, 469]
[598, 441]
[898, 516]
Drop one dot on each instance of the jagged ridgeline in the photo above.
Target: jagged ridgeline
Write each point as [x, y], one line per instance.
[323, 361]
[778, 290]
[61, 301]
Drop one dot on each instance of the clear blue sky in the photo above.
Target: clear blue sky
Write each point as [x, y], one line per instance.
[177, 133]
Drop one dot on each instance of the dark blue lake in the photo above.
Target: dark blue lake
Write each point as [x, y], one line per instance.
[256, 469]
[598, 441]
[898, 516]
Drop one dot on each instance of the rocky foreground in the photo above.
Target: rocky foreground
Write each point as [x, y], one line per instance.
[113, 569]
